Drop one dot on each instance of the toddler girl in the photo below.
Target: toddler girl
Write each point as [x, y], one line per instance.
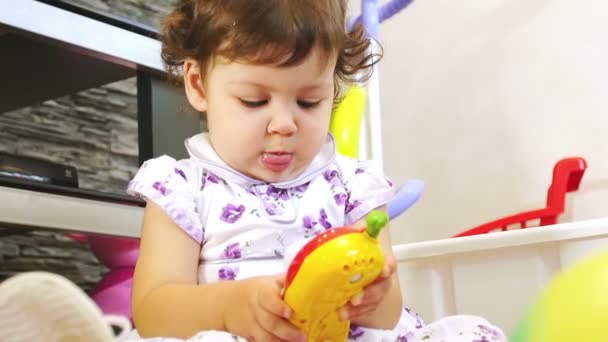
[266, 176]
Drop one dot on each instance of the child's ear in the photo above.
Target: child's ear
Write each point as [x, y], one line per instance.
[193, 81]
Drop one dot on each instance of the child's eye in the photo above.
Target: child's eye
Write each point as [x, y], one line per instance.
[253, 104]
[308, 104]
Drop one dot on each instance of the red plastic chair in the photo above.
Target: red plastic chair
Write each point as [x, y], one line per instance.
[567, 175]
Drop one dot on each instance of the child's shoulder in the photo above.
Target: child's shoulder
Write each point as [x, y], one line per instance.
[165, 173]
[349, 167]
[164, 165]
[367, 187]
[171, 184]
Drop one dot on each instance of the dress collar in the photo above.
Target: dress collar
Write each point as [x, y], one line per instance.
[199, 147]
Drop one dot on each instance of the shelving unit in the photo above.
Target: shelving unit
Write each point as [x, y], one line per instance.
[50, 49]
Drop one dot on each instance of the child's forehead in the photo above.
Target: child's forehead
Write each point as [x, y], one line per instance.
[318, 65]
[277, 55]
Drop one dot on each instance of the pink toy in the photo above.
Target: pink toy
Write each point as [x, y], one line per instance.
[113, 293]
[114, 252]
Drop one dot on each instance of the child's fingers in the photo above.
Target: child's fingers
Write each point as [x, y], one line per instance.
[275, 328]
[373, 294]
[390, 266]
[280, 280]
[350, 312]
[366, 301]
[273, 313]
[376, 290]
[270, 299]
[357, 299]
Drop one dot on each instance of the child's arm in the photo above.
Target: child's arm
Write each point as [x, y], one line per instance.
[167, 301]
[384, 295]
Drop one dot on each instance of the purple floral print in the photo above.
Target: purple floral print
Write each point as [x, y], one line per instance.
[332, 177]
[355, 332]
[160, 187]
[233, 251]
[272, 209]
[350, 206]
[406, 337]
[181, 173]
[482, 339]
[494, 334]
[227, 273]
[419, 321]
[323, 219]
[203, 182]
[211, 177]
[340, 198]
[359, 170]
[277, 193]
[309, 222]
[302, 188]
[231, 213]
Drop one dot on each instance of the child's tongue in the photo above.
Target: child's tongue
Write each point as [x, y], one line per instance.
[277, 161]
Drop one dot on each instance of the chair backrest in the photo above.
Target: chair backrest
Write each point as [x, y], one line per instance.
[567, 176]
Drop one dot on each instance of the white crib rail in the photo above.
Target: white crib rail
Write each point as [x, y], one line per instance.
[493, 275]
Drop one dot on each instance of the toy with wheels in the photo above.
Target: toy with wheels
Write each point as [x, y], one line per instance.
[327, 272]
[574, 307]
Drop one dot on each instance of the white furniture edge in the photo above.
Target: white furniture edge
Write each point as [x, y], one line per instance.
[521, 237]
[32, 209]
[102, 40]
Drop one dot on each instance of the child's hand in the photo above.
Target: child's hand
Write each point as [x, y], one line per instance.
[263, 315]
[370, 298]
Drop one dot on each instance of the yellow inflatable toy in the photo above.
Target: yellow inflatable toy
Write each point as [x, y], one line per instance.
[327, 272]
[346, 121]
[574, 307]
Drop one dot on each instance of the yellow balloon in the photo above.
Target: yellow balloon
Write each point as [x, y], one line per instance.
[575, 304]
[346, 121]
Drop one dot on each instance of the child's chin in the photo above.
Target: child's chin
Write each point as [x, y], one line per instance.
[271, 177]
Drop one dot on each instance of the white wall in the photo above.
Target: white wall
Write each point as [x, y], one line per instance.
[481, 97]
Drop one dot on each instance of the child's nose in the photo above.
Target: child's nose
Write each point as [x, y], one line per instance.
[283, 123]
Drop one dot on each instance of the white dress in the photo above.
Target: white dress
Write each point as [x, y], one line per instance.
[246, 226]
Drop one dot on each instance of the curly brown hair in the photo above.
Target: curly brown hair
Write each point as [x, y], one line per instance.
[269, 32]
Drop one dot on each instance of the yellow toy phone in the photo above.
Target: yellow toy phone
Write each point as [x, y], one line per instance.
[327, 272]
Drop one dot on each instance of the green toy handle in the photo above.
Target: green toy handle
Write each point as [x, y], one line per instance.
[376, 220]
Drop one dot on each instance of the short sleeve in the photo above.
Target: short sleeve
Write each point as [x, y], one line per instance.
[172, 186]
[366, 187]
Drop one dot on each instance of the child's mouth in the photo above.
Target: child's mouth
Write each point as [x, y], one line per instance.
[277, 161]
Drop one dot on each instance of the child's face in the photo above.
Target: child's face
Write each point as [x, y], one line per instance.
[267, 122]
